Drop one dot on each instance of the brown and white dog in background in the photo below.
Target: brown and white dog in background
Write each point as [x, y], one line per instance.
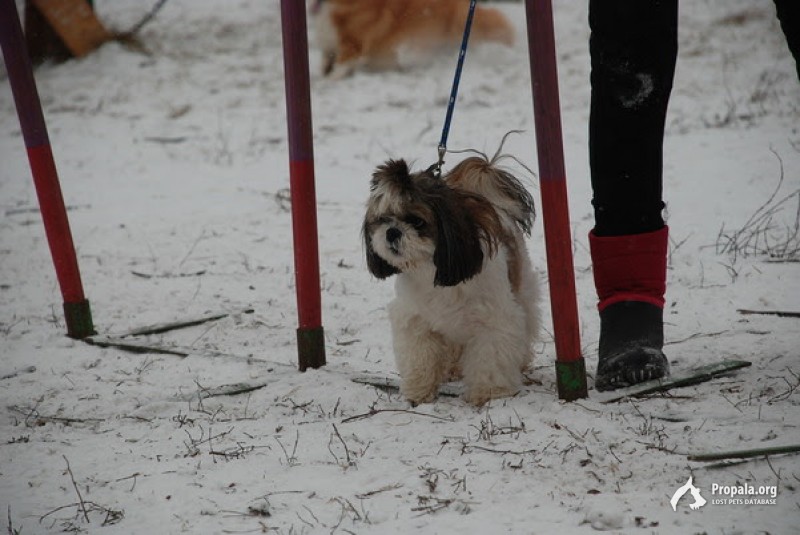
[370, 33]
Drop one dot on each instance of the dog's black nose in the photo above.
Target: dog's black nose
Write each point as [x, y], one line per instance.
[393, 234]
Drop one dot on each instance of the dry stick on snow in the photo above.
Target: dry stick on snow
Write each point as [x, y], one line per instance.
[11, 529]
[783, 261]
[33, 418]
[222, 390]
[159, 328]
[132, 476]
[466, 447]
[372, 493]
[291, 460]
[142, 346]
[168, 275]
[744, 454]
[696, 335]
[112, 517]
[779, 313]
[16, 373]
[193, 446]
[437, 505]
[344, 445]
[373, 412]
[78, 492]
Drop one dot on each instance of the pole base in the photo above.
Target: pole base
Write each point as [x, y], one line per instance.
[571, 379]
[79, 319]
[310, 348]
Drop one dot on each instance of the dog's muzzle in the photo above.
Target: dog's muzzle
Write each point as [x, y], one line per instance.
[393, 235]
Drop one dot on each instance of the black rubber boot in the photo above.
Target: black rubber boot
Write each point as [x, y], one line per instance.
[631, 345]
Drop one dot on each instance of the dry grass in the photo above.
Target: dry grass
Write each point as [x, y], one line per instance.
[768, 231]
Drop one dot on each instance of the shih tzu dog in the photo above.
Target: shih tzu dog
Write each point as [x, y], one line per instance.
[466, 304]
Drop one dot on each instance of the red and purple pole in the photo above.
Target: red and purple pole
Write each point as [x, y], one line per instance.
[77, 313]
[570, 366]
[310, 335]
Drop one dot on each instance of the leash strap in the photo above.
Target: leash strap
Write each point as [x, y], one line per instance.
[442, 149]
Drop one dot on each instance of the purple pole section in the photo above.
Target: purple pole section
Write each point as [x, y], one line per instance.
[77, 312]
[310, 335]
[570, 366]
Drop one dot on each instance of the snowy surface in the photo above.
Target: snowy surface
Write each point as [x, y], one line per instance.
[174, 166]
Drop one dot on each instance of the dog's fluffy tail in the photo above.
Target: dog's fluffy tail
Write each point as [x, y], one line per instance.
[481, 175]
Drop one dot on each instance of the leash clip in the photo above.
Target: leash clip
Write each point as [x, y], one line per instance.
[442, 150]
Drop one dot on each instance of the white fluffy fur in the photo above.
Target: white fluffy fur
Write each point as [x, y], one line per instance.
[481, 329]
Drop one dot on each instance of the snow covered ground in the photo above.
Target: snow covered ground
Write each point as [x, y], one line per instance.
[174, 167]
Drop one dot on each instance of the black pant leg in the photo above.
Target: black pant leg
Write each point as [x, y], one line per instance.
[789, 15]
[634, 46]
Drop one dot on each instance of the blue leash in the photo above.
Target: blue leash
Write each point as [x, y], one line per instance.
[437, 167]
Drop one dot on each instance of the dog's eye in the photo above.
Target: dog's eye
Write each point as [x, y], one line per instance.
[416, 222]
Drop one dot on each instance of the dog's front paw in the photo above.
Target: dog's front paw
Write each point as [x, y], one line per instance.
[480, 395]
[418, 394]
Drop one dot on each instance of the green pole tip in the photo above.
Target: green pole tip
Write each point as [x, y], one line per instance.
[310, 348]
[571, 379]
[78, 317]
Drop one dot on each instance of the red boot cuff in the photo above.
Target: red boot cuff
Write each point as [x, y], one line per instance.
[630, 268]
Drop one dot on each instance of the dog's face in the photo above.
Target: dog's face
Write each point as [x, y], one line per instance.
[417, 220]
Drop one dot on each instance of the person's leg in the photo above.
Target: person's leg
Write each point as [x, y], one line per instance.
[789, 15]
[633, 50]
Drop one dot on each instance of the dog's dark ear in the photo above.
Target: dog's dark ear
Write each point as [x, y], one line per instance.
[458, 256]
[379, 267]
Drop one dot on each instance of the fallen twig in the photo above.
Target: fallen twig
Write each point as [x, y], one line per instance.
[373, 412]
[502, 452]
[779, 313]
[690, 377]
[743, 454]
[16, 373]
[372, 493]
[132, 476]
[222, 390]
[696, 335]
[34, 419]
[782, 261]
[393, 383]
[168, 275]
[112, 517]
[344, 445]
[431, 505]
[159, 328]
[11, 529]
[291, 460]
[138, 345]
[77, 491]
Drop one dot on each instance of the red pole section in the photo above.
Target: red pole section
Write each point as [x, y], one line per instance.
[310, 336]
[48, 190]
[570, 366]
